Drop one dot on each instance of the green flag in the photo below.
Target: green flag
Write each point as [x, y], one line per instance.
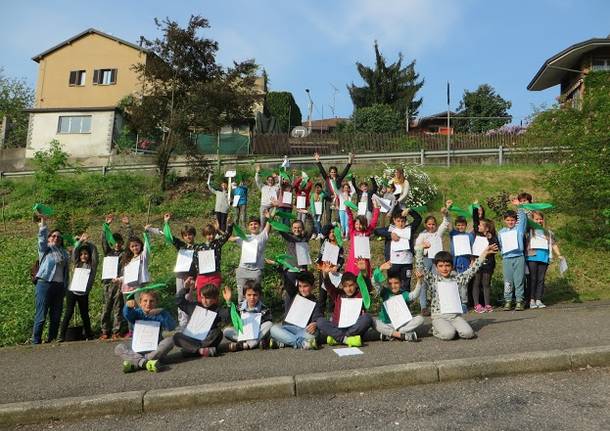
[282, 260]
[146, 243]
[284, 174]
[167, 232]
[280, 227]
[43, 209]
[364, 291]
[533, 225]
[69, 239]
[304, 179]
[148, 287]
[351, 205]
[459, 211]
[338, 235]
[537, 206]
[108, 235]
[472, 207]
[284, 214]
[378, 275]
[238, 324]
[239, 232]
[421, 208]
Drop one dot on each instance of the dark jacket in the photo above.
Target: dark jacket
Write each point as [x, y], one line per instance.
[223, 316]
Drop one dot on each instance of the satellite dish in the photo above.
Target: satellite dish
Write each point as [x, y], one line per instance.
[299, 132]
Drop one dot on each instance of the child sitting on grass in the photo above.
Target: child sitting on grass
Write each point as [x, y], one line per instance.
[147, 310]
[445, 325]
[382, 323]
[348, 288]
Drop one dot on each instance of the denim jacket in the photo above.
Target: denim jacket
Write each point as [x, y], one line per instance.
[46, 271]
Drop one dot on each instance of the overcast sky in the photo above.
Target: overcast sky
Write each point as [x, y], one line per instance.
[314, 44]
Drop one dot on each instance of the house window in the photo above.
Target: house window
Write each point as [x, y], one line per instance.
[601, 63]
[77, 78]
[74, 124]
[104, 76]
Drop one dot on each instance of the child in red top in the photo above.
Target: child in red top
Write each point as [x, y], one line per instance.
[360, 227]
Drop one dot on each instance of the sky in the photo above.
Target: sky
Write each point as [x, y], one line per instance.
[315, 44]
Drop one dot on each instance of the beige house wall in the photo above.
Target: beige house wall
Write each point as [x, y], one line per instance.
[90, 52]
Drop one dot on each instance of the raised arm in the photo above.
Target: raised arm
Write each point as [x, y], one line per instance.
[210, 187]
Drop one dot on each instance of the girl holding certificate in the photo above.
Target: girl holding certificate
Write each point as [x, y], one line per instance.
[359, 234]
[485, 235]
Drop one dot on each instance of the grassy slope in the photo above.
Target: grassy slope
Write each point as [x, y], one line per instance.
[82, 203]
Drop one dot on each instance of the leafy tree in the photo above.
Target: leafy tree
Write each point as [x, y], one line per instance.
[282, 106]
[185, 90]
[377, 118]
[482, 102]
[388, 84]
[15, 96]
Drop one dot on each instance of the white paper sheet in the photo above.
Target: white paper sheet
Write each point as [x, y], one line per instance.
[145, 336]
[400, 257]
[348, 351]
[436, 245]
[110, 267]
[397, 310]
[318, 207]
[249, 251]
[479, 245]
[461, 245]
[303, 255]
[200, 323]
[509, 240]
[230, 174]
[207, 261]
[362, 247]
[184, 260]
[252, 326]
[449, 297]
[236, 200]
[131, 272]
[385, 205]
[397, 188]
[362, 208]
[539, 240]
[330, 253]
[341, 203]
[300, 311]
[350, 311]
[335, 278]
[563, 265]
[79, 280]
[403, 243]
[287, 198]
[301, 201]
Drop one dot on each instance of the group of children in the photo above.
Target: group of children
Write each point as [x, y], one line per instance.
[340, 313]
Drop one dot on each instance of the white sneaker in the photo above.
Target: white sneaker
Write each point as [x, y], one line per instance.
[539, 304]
[533, 304]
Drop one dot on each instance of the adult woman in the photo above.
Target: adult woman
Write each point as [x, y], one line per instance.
[333, 185]
[401, 187]
[51, 281]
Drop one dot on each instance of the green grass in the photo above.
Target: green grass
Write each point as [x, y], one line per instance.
[81, 202]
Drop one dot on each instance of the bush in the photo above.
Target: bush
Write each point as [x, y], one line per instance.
[422, 189]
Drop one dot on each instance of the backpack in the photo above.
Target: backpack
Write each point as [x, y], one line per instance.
[35, 267]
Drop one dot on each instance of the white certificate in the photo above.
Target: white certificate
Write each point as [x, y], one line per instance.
[287, 198]
[252, 326]
[145, 336]
[509, 240]
[539, 240]
[350, 310]
[301, 201]
[131, 272]
[110, 267]
[79, 280]
[341, 203]
[235, 200]
[403, 243]
[303, 256]
[207, 261]
[362, 208]
[436, 245]
[330, 253]
[399, 257]
[362, 247]
[249, 251]
[300, 311]
[397, 310]
[200, 323]
[461, 245]
[184, 261]
[449, 297]
[384, 204]
[479, 245]
[317, 206]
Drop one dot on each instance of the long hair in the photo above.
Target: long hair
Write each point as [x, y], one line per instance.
[491, 226]
[128, 255]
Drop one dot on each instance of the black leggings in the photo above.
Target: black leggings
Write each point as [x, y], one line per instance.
[222, 220]
[536, 278]
[481, 281]
[192, 345]
[83, 308]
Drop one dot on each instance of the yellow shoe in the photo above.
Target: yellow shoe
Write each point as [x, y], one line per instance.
[353, 341]
[331, 341]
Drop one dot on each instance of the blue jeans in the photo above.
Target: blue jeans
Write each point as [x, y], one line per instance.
[328, 328]
[514, 277]
[49, 299]
[317, 226]
[290, 335]
[343, 221]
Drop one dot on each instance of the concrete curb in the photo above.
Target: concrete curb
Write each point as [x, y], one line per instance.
[382, 377]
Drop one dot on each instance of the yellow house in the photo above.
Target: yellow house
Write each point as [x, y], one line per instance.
[80, 82]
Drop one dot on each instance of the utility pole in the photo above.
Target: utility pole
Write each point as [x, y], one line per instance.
[332, 107]
[309, 111]
[448, 125]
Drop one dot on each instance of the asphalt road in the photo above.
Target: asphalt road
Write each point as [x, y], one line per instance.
[554, 401]
[86, 368]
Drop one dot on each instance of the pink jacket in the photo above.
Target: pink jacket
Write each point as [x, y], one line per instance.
[351, 265]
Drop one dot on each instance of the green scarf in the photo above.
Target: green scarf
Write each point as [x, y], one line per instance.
[146, 243]
[378, 275]
[280, 227]
[167, 232]
[338, 235]
[43, 209]
[238, 324]
[239, 232]
[148, 287]
[108, 235]
[459, 211]
[537, 206]
[364, 291]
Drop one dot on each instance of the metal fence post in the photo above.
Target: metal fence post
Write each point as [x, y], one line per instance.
[422, 156]
[500, 155]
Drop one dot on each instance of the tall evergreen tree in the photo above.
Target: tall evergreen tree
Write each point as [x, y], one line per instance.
[482, 102]
[388, 84]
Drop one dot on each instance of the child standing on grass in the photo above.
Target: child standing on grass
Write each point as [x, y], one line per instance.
[316, 206]
[241, 210]
[482, 279]
[269, 192]
[333, 180]
[147, 310]
[84, 255]
[540, 247]
[221, 205]
[445, 325]
[511, 239]
[302, 187]
[347, 191]
[112, 311]
[360, 227]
